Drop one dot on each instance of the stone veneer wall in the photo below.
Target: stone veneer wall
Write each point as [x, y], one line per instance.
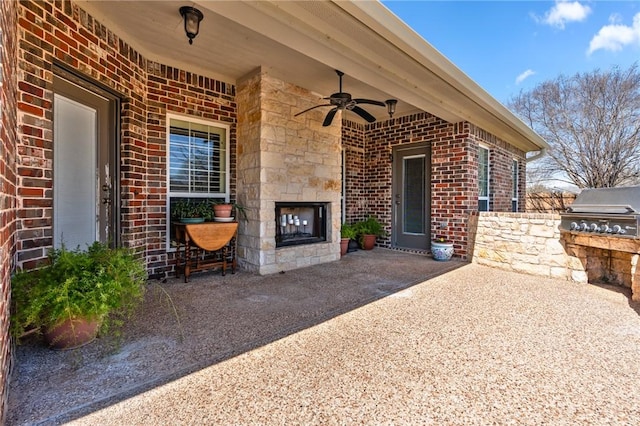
[8, 128]
[284, 158]
[63, 32]
[454, 175]
[524, 242]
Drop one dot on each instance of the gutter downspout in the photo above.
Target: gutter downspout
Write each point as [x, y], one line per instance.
[538, 156]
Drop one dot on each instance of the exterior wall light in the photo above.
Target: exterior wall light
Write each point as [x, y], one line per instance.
[192, 18]
[391, 106]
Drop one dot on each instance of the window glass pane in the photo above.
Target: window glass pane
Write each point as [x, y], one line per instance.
[197, 157]
[515, 180]
[483, 172]
[414, 197]
[483, 205]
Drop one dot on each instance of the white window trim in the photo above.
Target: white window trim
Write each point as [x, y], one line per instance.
[515, 175]
[485, 198]
[226, 195]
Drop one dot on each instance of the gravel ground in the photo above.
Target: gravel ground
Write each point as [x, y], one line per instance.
[470, 345]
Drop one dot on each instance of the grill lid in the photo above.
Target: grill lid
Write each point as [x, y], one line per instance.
[625, 200]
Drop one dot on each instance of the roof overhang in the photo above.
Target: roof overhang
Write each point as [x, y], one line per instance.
[302, 41]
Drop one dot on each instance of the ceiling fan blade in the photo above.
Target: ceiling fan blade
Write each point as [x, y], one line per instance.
[309, 109]
[369, 101]
[364, 114]
[329, 118]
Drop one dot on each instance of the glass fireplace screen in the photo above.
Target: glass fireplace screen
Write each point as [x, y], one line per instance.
[300, 223]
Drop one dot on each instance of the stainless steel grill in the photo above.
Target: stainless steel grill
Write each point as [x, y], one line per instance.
[611, 212]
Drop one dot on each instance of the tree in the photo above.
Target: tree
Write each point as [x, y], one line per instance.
[592, 124]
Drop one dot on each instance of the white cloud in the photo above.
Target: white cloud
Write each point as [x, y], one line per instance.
[615, 36]
[522, 77]
[564, 11]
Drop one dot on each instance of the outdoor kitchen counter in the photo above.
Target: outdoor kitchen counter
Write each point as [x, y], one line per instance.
[203, 246]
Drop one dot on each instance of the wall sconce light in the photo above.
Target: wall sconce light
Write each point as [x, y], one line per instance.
[192, 18]
[391, 106]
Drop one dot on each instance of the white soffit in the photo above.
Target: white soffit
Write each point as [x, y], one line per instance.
[366, 40]
[302, 41]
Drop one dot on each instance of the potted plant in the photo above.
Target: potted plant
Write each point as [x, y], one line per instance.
[368, 230]
[347, 233]
[441, 249]
[191, 211]
[224, 211]
[77, 294]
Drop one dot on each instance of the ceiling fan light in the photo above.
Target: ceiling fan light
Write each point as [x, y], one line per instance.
[192, 18]
[391, 106]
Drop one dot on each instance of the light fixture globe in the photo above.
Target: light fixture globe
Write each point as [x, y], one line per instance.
[192, 18]
[391, 106]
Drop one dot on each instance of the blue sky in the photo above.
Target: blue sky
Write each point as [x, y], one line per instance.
[508, 46]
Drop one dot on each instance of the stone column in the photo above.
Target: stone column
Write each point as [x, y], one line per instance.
[284, 158]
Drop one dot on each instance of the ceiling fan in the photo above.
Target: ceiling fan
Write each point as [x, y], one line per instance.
[343, 101]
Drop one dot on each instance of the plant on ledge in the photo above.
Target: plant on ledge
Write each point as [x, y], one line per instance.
[76, 294]
[191, 211]
[225, 209]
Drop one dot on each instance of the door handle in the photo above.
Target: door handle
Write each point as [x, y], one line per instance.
[107, 198]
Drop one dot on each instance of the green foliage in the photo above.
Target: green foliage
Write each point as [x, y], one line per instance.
[348, 231]
[188, 208]
[99, 283]
[370, 226]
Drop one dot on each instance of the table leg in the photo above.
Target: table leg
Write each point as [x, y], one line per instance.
[187, 262]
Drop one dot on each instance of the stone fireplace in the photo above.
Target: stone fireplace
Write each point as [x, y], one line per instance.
[286, 162]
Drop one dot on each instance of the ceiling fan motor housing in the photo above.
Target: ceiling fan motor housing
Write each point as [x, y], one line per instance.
[340, 99]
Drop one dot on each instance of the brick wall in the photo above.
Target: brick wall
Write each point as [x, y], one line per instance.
[64, 33]
[454, 176]
[171, 90]
[8, 106]
[501, 156]
[353, 140]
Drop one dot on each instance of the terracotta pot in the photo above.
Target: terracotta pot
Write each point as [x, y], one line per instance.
[344, 246]
[368, 241]
[222, 210]
[72, 333]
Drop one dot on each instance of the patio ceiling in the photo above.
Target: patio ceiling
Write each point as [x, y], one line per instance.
[303, 42]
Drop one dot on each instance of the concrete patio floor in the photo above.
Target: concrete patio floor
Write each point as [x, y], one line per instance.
[377, 337]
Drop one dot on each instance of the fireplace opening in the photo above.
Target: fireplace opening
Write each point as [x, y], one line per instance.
[300, 223]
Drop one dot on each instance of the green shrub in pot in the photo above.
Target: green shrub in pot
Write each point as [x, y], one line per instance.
[367, 231]
[99, 284]
[348, 231]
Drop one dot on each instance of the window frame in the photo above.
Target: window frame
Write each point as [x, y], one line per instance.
[488, 185]
[226, 195]
[515, 191]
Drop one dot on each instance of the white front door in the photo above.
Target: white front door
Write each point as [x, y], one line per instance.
[82, 182]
